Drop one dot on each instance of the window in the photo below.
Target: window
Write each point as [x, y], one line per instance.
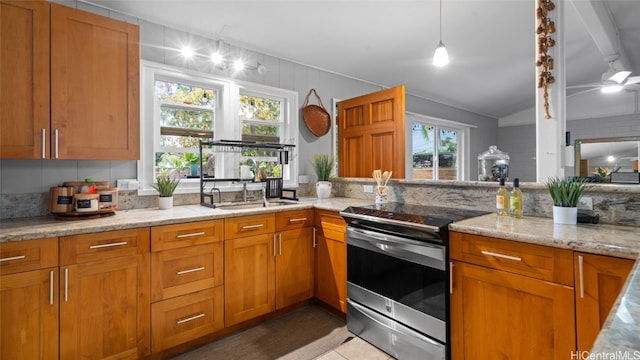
[180, 107]
[436, 147]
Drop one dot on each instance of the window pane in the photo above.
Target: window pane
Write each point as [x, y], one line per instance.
[184, 94]
[183, 165]
[261, 133]
[257, 108]
[184, 118]
[422, 137]
[447, 155]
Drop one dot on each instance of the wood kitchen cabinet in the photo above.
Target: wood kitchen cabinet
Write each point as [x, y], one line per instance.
[71, 89]
[29, 300]
[510, 300]
[187, 282]
[104, 295]
[599, 280]
[331, 259]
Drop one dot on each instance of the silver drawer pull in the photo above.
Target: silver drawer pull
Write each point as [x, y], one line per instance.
[189, 235]
[13, 258]
[190, 318]
[107, 245]
[249, 227]
[297, 220]
[190, 270]
[514, 258]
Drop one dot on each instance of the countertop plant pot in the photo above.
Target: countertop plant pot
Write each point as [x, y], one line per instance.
[165, 202]
[565, 215]
[323, 189]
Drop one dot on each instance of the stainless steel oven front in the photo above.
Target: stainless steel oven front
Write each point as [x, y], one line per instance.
[397, 290]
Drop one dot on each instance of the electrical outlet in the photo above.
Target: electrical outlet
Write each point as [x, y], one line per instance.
[585, 203]
[368, 188]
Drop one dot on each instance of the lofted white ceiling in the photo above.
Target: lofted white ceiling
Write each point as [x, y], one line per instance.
[490, 42]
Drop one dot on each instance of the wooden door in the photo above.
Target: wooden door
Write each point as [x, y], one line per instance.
[249, 278]
[372, 134]
[103, 312]
[331, 271]
[500, 315]
[294, 267]
[95, 95]
[599, 280]
[29, 313]
[24, 79]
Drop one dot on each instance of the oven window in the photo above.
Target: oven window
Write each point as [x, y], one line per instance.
[417, 286]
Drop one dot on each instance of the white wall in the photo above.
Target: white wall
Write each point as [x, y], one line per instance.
[28, 176]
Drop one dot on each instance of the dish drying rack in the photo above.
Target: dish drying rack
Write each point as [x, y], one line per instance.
[273, 186]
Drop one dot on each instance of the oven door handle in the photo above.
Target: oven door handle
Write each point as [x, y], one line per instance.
[418, 252]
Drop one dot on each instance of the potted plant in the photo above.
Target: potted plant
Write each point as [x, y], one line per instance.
[566, 194]
[323, 166]
[194, 161]
[165, 186]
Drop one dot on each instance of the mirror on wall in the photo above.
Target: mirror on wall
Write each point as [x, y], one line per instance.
[599, 158]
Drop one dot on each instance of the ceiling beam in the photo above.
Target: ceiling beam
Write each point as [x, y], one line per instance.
[599, 23]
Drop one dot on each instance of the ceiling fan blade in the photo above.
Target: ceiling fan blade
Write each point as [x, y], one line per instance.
[593, 85]
[632, 80]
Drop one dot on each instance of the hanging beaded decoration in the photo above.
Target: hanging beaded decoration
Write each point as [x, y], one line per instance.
[545, 28]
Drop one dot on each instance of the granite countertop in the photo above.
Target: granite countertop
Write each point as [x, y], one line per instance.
[620, 333]
[50, 226]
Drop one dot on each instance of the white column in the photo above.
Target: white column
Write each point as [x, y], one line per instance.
[550, 133]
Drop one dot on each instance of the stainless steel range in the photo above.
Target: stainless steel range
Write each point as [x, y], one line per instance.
[398, 277]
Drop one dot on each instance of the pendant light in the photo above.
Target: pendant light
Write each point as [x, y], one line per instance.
[441, 57]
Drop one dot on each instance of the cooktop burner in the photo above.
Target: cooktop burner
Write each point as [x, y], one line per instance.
[394, 216]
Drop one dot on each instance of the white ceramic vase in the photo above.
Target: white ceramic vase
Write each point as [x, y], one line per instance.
[565, 215]
[166, 202]
[323, 189]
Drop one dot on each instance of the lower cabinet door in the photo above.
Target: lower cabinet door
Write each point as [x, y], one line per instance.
[294, 267]
[105, 309]
[500, 315]
[331, 271]
[29, 313]
[180, 319]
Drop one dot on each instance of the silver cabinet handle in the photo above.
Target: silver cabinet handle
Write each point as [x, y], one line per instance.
[274, 245]
[450, 277]
[51, 287]
[280, 242]
[314, 238]
[581, 277]
[12, 258]
[249, 227]
[56, 143]
[44, 133]
[514, 258]
[297, 220]
[108, 245]
[190, 270]
[66, 285]
[190, 318]
[190, 235]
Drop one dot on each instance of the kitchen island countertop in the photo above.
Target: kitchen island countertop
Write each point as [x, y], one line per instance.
[620, 334]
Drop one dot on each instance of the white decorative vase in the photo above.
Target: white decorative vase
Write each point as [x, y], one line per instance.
[565, 215]
[165, 202]
[323, 189]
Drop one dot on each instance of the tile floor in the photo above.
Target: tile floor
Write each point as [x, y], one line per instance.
[355, 349]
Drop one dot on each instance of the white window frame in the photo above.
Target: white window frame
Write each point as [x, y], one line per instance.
[227, 124]
[463, 138]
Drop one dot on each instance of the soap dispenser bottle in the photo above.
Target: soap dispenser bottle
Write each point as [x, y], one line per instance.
[502, 199]
[515, 200]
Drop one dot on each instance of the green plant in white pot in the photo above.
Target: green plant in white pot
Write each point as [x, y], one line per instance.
[165, 186]
[323, 166]
[566, 194]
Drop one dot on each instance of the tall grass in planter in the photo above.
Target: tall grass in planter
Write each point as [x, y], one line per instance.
[323, 166]
[566, 194]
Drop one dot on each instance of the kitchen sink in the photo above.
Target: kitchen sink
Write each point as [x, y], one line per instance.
[252, 205]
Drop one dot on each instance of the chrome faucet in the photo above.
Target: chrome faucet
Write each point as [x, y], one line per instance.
[255, 168]
[255, 176]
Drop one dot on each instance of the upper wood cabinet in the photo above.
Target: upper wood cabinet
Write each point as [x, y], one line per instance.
[599, 280]
[372, 134]
[91, 66]
[24, 80]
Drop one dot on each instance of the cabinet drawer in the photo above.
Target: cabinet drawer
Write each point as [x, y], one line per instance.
[332, 225]
[536, 261]
[28, 255]
[105, 245]
[249, 225]
[178, 320]
[188, 234]
[181, 271]
[294, 219]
